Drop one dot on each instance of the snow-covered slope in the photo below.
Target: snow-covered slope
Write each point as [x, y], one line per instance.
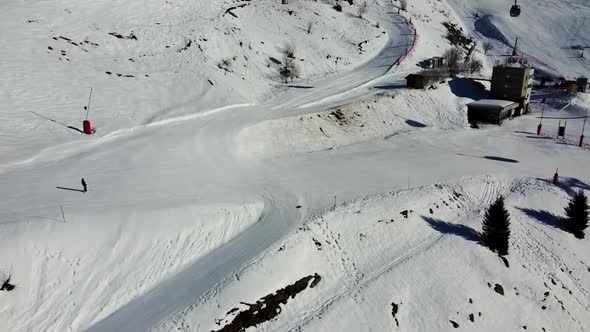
[429, 265]
[204, 195]
[552, 34]
[165, 64]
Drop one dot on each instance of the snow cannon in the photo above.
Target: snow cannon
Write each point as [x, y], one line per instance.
[87, 127]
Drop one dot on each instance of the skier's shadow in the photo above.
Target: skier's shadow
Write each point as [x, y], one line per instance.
[70, 189]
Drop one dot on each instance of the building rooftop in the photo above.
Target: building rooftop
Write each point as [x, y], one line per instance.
[492, 104]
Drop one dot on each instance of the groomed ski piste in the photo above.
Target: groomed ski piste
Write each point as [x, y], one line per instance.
[210, 189]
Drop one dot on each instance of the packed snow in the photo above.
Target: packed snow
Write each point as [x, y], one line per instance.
[342, 198]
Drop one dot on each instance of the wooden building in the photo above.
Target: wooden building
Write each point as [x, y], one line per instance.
[424, 79]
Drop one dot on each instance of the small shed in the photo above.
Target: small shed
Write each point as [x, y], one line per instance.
[569, 85]
[438, 61]
[416, 81]
[490, 110]
[419, 81]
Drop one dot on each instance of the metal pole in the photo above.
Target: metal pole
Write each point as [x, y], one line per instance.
[88, 107]
[584, 125]
[62, 213]
[581, 144]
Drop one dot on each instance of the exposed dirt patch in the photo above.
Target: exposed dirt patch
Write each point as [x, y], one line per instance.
[268, 307]
[499, 289]
[186, 46]
[340, 118]
[360, 46]
[505, 260]
[394, 310]
[317, 243]
[120, 36]
[230, 10]
[7, 286]
[455, 35]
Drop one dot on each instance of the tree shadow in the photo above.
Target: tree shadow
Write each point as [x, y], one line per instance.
[274, 60]
[300, 86]
[545, 217]
[70, 189]
[444, 227]
[569, 185]
[502, 159]
[415, 124]
[494, 158]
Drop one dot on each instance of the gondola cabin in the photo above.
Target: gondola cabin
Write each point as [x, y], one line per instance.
[515, 10]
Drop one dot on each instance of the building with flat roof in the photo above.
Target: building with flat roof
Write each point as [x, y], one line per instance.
[513, 83]
[490, 110]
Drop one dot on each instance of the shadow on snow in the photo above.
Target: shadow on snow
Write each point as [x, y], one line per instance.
[444, 227]
[545, 217]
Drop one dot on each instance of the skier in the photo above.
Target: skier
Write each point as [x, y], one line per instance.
[84, 185]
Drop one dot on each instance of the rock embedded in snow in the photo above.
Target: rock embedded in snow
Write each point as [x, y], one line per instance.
[499, 289]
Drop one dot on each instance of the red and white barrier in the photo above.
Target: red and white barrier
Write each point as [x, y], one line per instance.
[412, 44]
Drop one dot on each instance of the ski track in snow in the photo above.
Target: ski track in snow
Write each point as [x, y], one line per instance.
[488, 194]
[214, 132]
[150, 308]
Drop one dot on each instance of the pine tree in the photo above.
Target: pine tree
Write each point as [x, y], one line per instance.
[576, 215]
[496, 228]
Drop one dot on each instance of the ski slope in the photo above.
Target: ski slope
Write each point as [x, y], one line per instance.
[551, 34]
[205, 196]
[169, 68]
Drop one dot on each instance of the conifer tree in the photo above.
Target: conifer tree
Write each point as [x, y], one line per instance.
[496, 228]
[576, 215]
